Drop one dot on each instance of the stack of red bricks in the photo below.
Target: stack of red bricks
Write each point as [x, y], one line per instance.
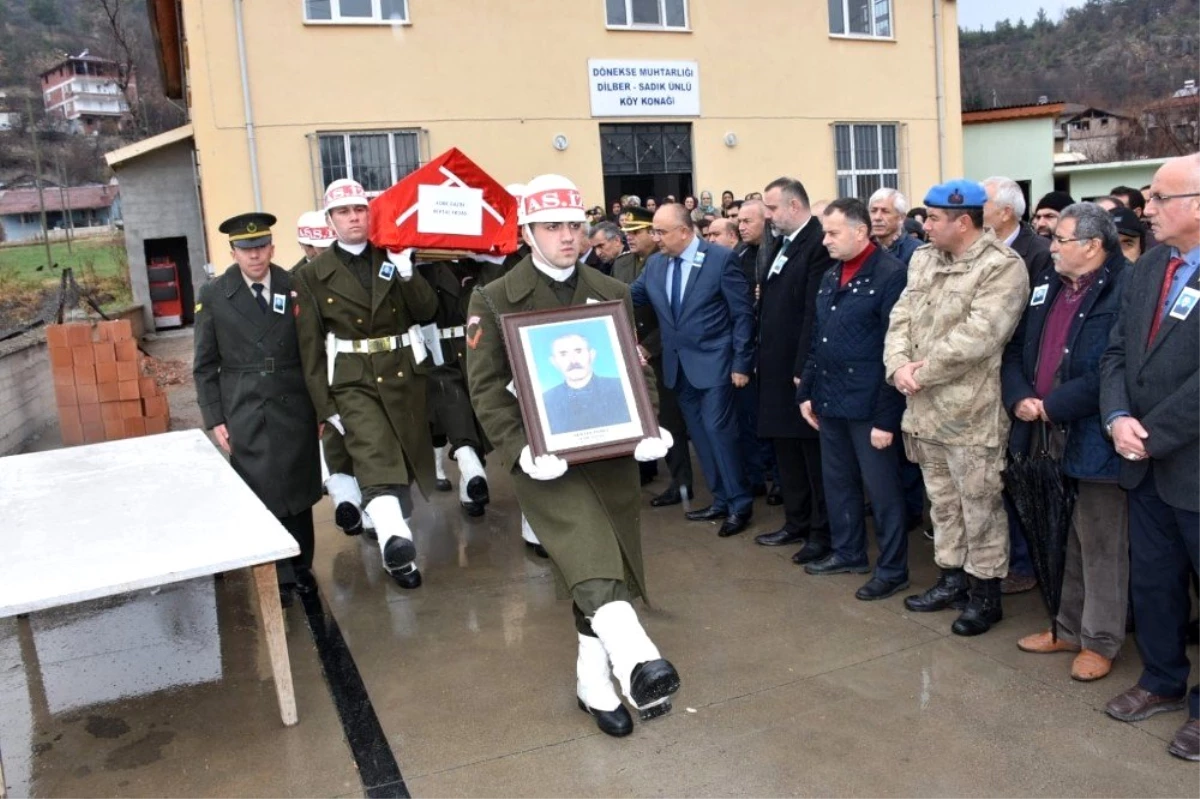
[102, 389]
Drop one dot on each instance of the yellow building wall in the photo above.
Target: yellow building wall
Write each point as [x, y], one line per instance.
[501, 80]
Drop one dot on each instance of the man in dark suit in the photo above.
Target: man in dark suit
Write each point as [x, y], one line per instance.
[706, 321]
[251, 391]
[1150, 403]
[786, 318]
[584, 399]
[636, 224]
[1002, 212]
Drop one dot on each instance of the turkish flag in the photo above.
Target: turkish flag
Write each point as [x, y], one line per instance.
[395, 214]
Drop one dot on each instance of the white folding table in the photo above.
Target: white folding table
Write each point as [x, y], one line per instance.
[92, 521]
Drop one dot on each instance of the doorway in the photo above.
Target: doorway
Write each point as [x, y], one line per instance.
[174, 251]
[646, 160]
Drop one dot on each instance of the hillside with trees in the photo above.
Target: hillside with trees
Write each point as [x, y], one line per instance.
[1117, 55]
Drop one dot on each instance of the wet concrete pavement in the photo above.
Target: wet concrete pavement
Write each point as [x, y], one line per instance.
[790, 685]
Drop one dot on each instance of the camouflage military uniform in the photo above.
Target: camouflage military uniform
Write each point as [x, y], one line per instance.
[957, 314]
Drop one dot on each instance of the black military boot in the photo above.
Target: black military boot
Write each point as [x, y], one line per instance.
[950, 591]
[983, 610]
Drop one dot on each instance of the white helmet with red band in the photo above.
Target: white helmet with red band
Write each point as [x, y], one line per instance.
[345, 192]
[311, 229]
[550, 198]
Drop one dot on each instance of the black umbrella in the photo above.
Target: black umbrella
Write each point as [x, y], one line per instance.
[1044, 499]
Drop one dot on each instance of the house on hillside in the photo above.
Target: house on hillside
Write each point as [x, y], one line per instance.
[87, 207]
[1175, 120]
[1089, 132]
[83, 91]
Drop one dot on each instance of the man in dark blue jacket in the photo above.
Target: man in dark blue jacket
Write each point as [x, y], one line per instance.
[1050, 379]
[706, 319]
[844, 395]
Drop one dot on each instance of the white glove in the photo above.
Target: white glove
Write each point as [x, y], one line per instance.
[403, 262]
[543, 467]
[336, 421]
[651, 449]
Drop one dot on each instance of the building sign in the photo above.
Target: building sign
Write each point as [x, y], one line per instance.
[629, 88]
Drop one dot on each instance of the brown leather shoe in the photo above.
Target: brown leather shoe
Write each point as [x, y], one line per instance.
[1043, 643]
[1137, 704]
[1090, 666]
[1018, 584]
[1187, 741]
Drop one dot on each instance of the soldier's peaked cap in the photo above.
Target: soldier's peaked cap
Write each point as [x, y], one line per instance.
[635, 218]
[247, 231]
[962, 194]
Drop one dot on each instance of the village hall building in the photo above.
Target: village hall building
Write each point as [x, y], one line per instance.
[651, 97]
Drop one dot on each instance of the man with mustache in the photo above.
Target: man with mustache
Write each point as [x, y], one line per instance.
[584, 399]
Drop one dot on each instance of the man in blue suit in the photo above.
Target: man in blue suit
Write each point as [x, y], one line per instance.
[702, 299]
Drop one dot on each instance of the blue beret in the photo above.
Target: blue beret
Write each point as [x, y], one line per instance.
[964, 194]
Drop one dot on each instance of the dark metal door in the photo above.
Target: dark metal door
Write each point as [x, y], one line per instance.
[646, 149]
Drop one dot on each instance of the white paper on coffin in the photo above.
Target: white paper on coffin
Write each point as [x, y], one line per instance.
[103, 519]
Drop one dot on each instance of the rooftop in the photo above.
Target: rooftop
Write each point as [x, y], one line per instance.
[25, 201]
[1006, 113]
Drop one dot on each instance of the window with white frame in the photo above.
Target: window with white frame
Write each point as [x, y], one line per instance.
[666, 14]
[867, 158]
[357, 12]
[861, 18]
[376, 159]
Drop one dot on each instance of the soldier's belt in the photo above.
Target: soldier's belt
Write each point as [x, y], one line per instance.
[371, 345]
[452, 332]
[268, 366]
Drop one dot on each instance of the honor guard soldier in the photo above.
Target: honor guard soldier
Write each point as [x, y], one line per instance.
[358, 307]
[315, 237]
[251, 391]
[587, 516]
[452, 420]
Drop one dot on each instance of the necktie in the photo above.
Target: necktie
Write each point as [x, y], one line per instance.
[258, 295]
[676, 286]
[1160, 309]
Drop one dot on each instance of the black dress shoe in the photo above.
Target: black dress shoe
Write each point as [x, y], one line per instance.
[669, 497]
[305, 582]
[617, 723]
[809, 553]
[473, 508]
[477, 490]
[775, 495]
[443, 484]
[287, 595]
[734, 524]
[348, 518]
[538, 549]
[398, 553]
[779, 538]
[836, 564]
[651, 685]
[706, 514]
[409, 579]
[879, 589]
[950, 591]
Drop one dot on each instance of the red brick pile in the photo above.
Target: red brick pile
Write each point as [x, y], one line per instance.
[101, 384]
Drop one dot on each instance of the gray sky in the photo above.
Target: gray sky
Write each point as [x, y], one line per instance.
[986, 13]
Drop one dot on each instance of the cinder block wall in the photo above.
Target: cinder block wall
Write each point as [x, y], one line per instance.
[27, 404]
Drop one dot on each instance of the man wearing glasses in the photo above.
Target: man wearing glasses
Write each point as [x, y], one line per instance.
[706, 320]
[1150, 403]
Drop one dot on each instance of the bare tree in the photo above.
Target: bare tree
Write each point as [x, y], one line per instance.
[123, 40]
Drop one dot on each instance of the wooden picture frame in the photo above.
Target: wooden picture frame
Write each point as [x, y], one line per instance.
[579, 382]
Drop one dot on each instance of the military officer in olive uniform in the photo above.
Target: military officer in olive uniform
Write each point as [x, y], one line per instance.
[251, 391]
[636, 224]
[451, 417]
[359, 308]
[315, 237]
[587, 516]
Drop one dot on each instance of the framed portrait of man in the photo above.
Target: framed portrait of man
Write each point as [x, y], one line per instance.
[579, 381]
